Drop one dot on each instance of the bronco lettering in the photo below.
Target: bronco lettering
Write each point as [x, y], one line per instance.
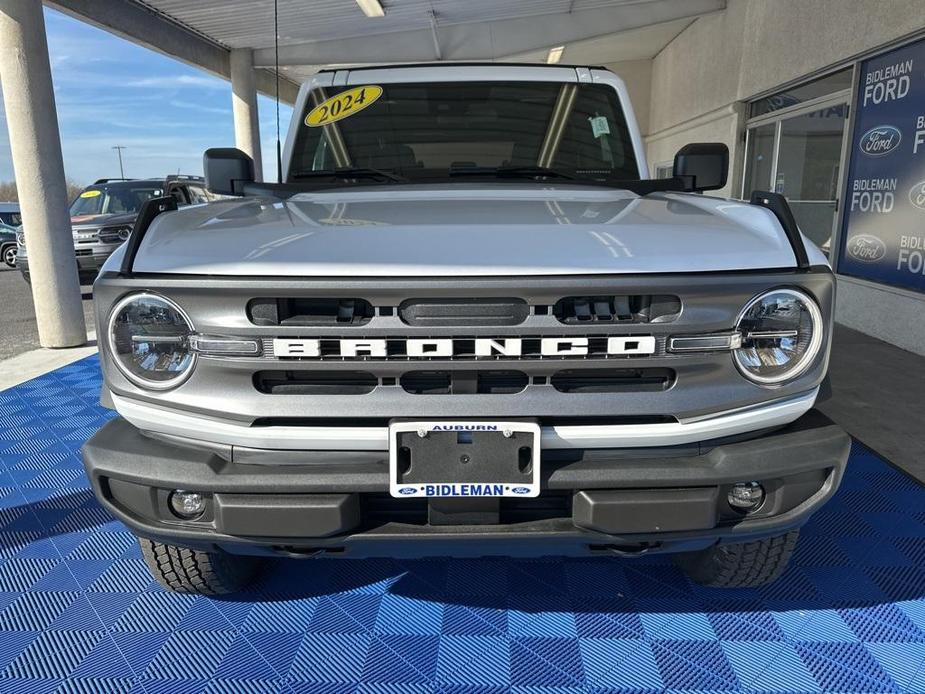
[454, 347]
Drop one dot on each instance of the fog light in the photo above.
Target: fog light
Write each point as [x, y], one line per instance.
[746, 496]
[187, 505]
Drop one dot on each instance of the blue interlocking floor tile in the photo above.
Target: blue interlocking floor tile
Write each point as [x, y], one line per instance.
[79, 612]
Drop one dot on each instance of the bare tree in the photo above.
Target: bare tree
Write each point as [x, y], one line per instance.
[8, 192]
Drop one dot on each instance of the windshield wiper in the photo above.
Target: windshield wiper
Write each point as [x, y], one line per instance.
[348, 172]
[510, 172]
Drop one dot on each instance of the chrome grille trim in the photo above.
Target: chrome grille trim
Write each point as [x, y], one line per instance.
[154, 419]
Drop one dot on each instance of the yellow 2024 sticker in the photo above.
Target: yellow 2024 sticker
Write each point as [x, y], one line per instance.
[343, 105]
[90, 194]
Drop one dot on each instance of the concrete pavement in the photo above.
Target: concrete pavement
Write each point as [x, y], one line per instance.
[18, 330]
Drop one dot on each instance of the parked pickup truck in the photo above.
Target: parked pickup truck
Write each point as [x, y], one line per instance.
[465, 323]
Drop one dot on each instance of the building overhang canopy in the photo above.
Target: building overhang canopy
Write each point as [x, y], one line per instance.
[324, 33]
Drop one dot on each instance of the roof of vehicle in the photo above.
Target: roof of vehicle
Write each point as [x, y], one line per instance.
[460, 63]
[152, 179]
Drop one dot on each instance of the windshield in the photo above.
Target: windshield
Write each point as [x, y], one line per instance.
[121, 198]
[431, 131]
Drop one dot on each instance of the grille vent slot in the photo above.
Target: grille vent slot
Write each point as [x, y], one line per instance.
[309, 311]
[315, 382]
[427, 382]
[622, 308]
[612, 380]
[463, 312]
[464, 382]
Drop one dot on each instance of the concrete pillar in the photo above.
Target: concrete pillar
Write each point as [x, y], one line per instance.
[25, 75]
[244, 105]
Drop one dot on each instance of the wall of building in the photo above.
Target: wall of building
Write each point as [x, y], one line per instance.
[700, 81]
[758, 45]
[637, 74]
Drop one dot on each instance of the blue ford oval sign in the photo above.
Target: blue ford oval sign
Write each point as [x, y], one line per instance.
[880, 140]
[866, 248]
[407, 490]
[521, 490]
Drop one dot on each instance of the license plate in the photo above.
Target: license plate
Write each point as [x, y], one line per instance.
[464, 459]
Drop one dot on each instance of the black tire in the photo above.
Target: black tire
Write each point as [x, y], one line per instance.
[743, 565]
[184, 570]
[5, 252]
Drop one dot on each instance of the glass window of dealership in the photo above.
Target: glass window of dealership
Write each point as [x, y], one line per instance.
[847, 149]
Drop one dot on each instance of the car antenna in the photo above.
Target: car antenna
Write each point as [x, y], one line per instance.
[279, 151]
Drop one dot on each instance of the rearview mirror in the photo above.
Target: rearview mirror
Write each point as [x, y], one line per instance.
[706, 164]
[227, 170]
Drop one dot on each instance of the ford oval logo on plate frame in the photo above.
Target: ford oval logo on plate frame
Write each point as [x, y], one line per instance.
[866, 248]
[880, 140]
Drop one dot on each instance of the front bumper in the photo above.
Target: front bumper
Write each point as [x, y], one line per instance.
[626, 501]
[89, 259]
[91, 263]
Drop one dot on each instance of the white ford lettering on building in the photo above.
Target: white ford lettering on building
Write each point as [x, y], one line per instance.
[468, 323]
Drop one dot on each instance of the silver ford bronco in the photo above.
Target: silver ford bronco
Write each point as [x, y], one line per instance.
[465, 323]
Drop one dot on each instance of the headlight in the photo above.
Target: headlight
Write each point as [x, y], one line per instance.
[781, 336]
[20, 239]
[149, 341]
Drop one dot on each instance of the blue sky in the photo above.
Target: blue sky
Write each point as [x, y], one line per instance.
[111, 92]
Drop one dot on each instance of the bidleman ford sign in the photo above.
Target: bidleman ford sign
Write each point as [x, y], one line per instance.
[883, 237]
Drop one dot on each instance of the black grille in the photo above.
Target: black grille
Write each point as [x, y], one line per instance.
[463, 312]
[464, 382]
[309, 311]
[625, 308]
[612, 380]
[114, 234]
[315, 382]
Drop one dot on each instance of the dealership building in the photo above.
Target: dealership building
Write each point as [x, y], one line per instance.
[823, 102]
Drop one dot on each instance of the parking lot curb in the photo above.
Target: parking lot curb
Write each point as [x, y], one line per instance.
[28, 365]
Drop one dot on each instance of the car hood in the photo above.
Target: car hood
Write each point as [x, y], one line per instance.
[99, 220]
[465, 230]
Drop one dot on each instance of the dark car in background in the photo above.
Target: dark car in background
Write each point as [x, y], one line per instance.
[9, 221]
[103, 215]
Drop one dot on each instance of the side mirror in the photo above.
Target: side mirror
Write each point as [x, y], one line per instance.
[705, 163]
[227, 170]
